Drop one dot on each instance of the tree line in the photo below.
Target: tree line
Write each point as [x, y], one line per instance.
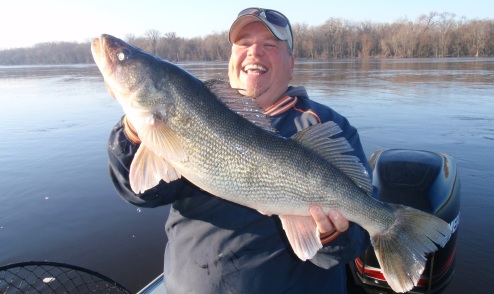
[430, 35]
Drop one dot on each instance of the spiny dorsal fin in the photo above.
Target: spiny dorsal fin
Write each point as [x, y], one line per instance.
[318, 138]
[242, 105]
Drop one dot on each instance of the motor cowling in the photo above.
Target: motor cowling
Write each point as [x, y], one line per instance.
[424, 180]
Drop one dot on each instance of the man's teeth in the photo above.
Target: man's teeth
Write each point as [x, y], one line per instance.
[255, 67]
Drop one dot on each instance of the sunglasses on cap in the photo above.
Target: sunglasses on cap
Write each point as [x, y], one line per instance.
[276, 22]
[273, 16]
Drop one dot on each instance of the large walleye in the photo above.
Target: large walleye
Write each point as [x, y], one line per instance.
[227, 147]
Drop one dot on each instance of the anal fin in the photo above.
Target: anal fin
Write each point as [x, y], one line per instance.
[302, 234]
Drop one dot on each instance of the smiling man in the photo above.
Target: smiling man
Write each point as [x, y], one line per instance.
[260, 63]
[216, 246]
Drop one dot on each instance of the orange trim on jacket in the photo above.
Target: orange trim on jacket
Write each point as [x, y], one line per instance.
[285, 104]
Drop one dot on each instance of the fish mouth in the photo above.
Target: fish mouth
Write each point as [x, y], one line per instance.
[106, 51]
[101, 56]
[96, 50]
[103, 61]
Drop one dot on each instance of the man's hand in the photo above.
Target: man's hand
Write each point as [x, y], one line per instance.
[130, 131]
[330, 225]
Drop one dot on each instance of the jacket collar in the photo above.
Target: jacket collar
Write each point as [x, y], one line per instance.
[288, 101]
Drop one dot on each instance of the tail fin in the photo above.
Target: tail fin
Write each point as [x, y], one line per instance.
[401, 250]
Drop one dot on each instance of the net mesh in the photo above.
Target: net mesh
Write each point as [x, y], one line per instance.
[51, 277]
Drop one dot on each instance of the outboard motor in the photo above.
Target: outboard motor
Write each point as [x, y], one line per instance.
[423, 180]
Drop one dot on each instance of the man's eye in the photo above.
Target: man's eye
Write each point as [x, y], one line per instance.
[242, 43]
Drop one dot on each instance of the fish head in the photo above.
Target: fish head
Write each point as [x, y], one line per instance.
[132, 76]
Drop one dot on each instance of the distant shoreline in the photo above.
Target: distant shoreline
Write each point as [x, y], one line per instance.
[436, 35]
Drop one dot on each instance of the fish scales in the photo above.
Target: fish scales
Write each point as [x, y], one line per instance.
[259, 156]
[227, 148]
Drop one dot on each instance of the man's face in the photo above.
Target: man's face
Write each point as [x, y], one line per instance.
[260, 64]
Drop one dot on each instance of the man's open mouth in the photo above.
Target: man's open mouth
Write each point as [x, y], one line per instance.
[254, 69]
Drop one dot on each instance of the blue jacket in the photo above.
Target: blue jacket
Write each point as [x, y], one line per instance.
[216, 246]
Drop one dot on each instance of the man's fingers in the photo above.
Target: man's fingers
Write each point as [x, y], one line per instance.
[339, 221]
[334, 220]
[323, 223]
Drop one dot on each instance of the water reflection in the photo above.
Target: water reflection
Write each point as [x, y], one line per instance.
[48, 71]
[56, 192]
[365, 72]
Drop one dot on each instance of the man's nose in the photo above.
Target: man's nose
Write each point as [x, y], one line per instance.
[256, 49]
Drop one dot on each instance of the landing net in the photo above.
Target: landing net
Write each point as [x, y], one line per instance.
[51, 277]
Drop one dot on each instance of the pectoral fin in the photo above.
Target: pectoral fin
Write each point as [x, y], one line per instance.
[162, 140]
[147, 169]
[302, 234]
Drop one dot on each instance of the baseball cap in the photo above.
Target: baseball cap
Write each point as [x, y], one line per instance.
[275, 21]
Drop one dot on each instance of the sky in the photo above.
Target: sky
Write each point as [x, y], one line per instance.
[25, 23]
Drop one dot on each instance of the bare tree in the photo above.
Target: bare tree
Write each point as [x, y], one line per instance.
[130, 38]
[332, 38]
[444, 27]
[153, 37]
[216, 46]
[479, 31]
[351, 40]
[430, 35]
[367, 40]
[457, 44]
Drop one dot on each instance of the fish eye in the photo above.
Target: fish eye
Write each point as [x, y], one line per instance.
[123, 54]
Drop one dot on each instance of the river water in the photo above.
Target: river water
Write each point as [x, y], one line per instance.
[57, 202]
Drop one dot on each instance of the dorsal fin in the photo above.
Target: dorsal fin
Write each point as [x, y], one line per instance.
[318, 138]
[242, 105]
